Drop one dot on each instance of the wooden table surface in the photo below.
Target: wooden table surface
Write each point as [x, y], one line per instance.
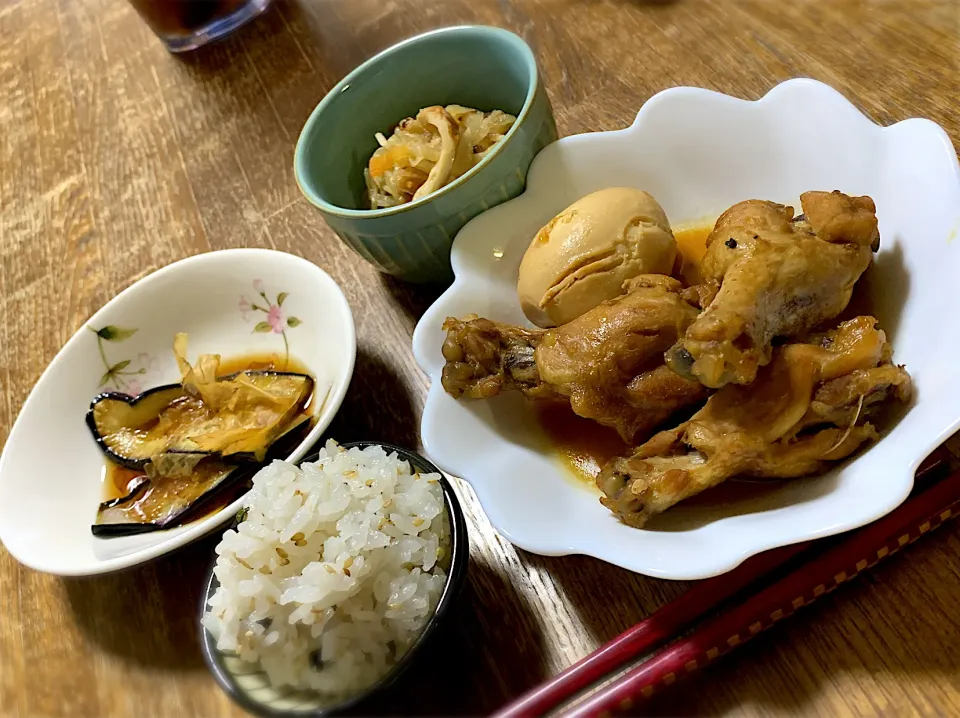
[117, 159]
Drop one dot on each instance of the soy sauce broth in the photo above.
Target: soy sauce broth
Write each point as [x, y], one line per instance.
[583, 446]
[692, 243]
[117, 480]
[261, 361]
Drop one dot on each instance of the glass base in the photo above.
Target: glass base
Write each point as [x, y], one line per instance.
[215, 30]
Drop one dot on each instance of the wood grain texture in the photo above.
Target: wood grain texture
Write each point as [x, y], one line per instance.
[116, 159]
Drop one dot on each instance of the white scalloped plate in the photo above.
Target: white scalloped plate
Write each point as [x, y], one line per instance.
[698, 152]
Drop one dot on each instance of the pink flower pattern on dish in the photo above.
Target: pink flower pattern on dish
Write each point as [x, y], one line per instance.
[245, 309]
[148, 367]
[277, 320]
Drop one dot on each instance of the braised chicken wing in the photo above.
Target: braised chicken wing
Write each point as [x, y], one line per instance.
[779, 276]
[809, 407]
[608, 362]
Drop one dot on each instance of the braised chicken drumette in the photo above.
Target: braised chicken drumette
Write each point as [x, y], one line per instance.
[809, 407]
[779, 276]
[608, 362]
[786, 402]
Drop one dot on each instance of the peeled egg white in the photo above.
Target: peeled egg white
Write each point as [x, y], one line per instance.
[584, 255]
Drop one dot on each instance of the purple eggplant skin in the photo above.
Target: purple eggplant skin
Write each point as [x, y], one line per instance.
[175, 501]
[117, 517]
[154, 401]
[122, 529]
[166, 393]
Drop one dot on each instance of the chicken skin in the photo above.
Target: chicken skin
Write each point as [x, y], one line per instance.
[778, 276]
[807, 408]
[740, 364]
[608, 362]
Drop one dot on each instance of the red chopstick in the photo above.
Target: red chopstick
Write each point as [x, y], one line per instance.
[856, 552]
[667, 622]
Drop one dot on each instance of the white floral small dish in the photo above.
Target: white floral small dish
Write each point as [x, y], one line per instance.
[238, 302]
[699, 152]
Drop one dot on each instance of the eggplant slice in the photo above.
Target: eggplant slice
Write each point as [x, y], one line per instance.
[251, 410]
[160, 502]
[194, 442]
[181, 487]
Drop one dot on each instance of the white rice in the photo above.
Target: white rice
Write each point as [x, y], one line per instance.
[334, 571]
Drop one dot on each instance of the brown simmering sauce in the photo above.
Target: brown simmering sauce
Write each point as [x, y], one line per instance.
[581, 444]
[692, 243]
[263, 361]
[119, 481]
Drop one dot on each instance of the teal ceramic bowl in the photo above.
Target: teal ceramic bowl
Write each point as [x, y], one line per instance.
[482, 67]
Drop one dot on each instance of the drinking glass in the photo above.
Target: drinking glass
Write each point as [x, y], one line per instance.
[188, 24]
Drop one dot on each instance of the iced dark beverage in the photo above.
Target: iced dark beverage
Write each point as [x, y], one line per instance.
[188, 24]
